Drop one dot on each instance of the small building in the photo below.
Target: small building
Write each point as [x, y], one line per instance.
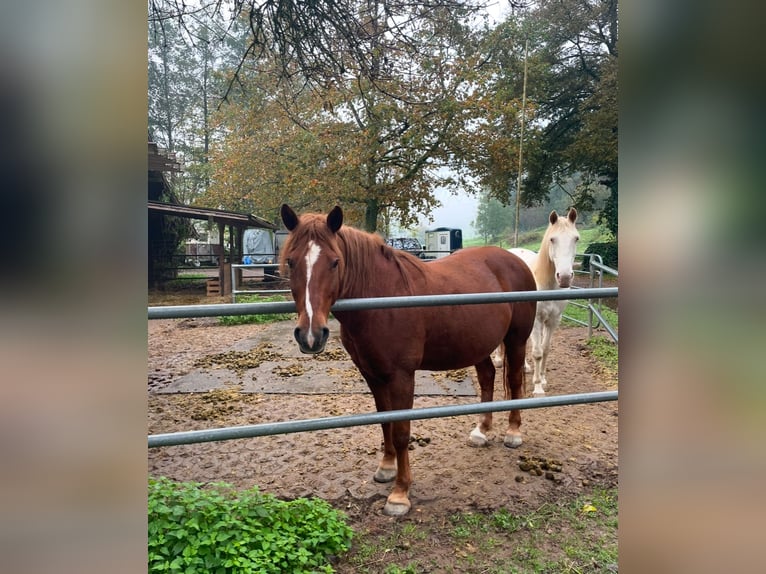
[442, 241]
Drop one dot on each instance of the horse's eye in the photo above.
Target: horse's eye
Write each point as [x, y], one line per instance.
[289, 263]
[577, 239]
[335, 263]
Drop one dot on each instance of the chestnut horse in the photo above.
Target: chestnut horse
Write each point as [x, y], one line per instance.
[326, 262]
[553, 268]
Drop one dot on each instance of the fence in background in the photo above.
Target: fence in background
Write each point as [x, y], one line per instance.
[596, 270]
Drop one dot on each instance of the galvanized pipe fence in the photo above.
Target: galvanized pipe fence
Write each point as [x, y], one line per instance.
[596, 271]
[361, 304]
[286, 427]
[249, 431]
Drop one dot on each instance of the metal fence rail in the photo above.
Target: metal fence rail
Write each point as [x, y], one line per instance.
[189, 311]
[596, 271]
[286, 427]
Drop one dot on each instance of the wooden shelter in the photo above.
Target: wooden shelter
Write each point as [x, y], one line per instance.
[165, 209]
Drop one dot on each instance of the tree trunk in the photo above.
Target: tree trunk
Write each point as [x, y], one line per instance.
[371, 211]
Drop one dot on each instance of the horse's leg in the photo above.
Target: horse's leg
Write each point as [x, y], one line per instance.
[386, 471]
[546, 347]
[497, 357]
[537, 357]
[485, 370]
[402, 392]
[395, 394]
[550, 327]
[527, 364]
[513, 382]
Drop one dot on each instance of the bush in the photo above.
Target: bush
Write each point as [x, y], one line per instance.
[607, 251]
[218, 529]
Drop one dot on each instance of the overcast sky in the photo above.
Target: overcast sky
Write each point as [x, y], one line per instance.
[456, 211]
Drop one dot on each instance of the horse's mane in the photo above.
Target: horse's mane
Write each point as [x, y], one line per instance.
[544, 271]
[360, 250]
[360, 253]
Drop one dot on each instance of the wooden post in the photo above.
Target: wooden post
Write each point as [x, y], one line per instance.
[521, 143]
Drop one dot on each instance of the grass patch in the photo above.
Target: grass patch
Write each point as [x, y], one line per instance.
[185, 282]
[258, 319]
[219, 529]
[581, 314]
[602, 348]
[605, 351]
[579, 535]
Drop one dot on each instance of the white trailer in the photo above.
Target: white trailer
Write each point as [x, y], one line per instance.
[442, 241]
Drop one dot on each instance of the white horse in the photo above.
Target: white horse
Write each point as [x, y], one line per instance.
[553, 268]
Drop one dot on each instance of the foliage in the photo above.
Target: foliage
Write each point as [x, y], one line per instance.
[357, 143]
[365, 104]
[186, 82]
[321, 41]
[571, 112]
[220, 530]
[492, 218]
[258, 319]
[608, 252]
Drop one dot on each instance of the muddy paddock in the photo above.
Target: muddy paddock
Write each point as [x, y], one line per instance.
[448, 475]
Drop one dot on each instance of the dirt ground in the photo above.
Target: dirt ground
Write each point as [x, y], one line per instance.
[337, 465]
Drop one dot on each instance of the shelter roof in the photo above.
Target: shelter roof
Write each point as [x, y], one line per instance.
[207, 214]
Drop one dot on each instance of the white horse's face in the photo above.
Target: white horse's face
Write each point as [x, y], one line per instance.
[562, 246]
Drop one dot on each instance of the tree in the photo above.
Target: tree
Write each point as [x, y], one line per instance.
[571, 110]
[185, 85]
[577, 99]
[375, 145]
[492, 218]
[320, 41]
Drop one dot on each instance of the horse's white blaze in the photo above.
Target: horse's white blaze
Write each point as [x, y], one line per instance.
[311, 258]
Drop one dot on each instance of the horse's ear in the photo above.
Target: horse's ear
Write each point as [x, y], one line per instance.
[553, 217]
[335, 219]
[289, 218]
[572, 215]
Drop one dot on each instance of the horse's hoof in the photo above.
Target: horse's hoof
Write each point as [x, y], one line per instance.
[384, 475]
[477, 438]
[396, 508]
[539, 391]
[512, 440]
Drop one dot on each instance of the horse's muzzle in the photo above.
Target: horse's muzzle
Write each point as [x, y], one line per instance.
[564, 280]
[314, 343]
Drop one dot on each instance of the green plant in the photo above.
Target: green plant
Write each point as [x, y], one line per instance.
[605, 351]
[221, 530]
[259, 319]
[608, 252]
